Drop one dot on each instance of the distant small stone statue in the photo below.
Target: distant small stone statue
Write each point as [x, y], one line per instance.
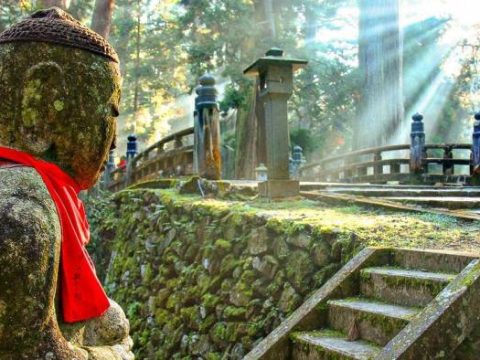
[59, 95]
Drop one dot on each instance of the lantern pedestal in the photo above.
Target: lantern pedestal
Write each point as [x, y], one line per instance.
[275, 86]
[275, 189]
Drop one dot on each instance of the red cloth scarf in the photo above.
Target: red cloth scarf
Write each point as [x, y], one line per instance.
[82, 294]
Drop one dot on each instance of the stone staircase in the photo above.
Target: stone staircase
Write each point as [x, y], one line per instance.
[384, 304]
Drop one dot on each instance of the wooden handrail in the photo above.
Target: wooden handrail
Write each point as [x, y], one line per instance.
[382, 149]
[141, 166]
[163, 141]
[353, 165]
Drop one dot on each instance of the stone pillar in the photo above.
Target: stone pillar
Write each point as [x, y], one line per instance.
[417, 145]
[207, 151]
[275, 74]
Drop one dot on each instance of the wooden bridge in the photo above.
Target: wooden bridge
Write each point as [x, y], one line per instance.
[172, 156]
[196, 150]
[414, 163]
[391, 163]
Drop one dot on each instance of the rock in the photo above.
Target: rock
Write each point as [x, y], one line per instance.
[234, 313]
[280, 248]
[321, 254]
[241, 294]
[301, 240]
[267, 266]
[299, 269]
[258, 241]
[289, 300]
[109, 329]
[162, 297]
[200, 345]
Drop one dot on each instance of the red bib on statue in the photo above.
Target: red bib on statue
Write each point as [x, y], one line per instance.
[82, 294]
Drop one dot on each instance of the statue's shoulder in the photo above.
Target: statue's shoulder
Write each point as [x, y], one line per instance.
[24, 198]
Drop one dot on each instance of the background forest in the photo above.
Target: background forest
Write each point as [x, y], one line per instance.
[166, 45]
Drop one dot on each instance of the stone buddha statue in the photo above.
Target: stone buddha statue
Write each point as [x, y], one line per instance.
[59, 96]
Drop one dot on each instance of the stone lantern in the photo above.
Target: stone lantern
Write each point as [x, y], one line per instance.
[261, 173]
[275, 75]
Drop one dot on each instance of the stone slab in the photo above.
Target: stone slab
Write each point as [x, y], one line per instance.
[275, 189]
[402, 286]
[412, 274]
[451, 203]
[326, 343]
[376, 307]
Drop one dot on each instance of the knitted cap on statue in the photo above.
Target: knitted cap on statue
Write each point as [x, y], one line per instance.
[56, 26]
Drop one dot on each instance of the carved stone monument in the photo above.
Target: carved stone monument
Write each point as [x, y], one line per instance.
[59, 95]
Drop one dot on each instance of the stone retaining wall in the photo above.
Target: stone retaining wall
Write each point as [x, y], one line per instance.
[205, 279]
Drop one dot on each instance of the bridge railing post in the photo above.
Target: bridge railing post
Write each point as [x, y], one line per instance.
[417, 145]
[377, 168]
[178, 142]
[448, 167]
[296, 162]
[132, 151]
[348, 173]
[207, 152]
[475, 156]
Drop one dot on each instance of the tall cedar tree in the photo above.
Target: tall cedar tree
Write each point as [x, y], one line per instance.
[102, 17]
[381, 108]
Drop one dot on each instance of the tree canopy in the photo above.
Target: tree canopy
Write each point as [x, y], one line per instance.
[165, 46]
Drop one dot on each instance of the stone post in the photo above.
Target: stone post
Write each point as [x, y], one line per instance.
[132, 151]
[475, 158]
[417, 145]
[275, 74]
[207, 156]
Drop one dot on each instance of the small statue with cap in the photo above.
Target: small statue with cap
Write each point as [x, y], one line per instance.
[59, 97]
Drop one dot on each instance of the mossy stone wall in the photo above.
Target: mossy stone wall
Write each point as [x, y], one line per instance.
[199, 279]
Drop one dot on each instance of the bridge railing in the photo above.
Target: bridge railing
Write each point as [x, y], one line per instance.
[171, 156]
[405, 162]
[388, 163]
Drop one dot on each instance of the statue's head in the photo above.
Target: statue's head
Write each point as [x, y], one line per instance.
[59, 93]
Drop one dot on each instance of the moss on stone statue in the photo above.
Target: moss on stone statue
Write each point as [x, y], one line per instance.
[29, 257]
[58, 105]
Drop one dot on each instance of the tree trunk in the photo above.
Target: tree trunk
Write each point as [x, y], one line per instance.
[49, 3]
[270, 20]
[136, 91]
[102, 17]
[250, 146]
[381, 108]
[246, 136]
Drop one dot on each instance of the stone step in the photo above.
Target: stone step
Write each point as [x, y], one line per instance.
[328, 345]
[451, 203]
[408, 193]
[376, 321]
[402, 286]
[431, 261]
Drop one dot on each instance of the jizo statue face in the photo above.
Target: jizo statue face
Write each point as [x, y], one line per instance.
[59, 103]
